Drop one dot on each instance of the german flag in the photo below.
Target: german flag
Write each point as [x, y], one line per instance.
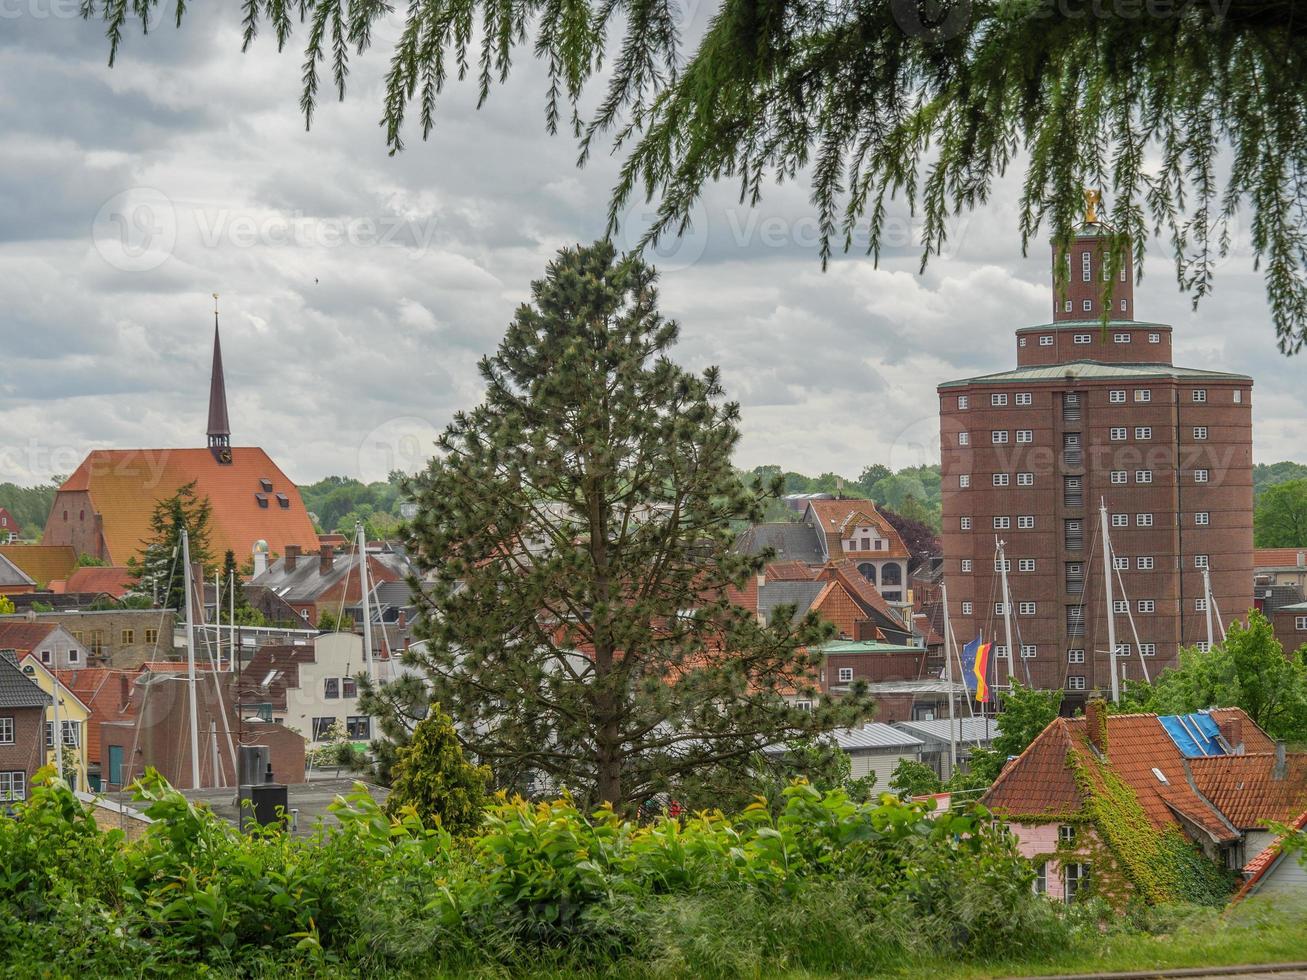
[975, 666]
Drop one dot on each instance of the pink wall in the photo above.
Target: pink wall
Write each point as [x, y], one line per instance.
[1038, 839]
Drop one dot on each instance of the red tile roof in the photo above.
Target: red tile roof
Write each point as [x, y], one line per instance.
[789, 571]
[101, 689]
[834, 516]
[1039, 783]
[43, 563]
[112, 580]
[24, 637]
[1277, 557]
[845, 571]
[125, 484]
[1244, 787]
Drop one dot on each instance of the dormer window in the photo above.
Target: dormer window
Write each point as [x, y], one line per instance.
[265, 484]
[262, 498]
[283, 501]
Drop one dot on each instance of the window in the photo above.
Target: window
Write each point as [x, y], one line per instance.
[966, 564]
[151, 636]
[964, 481]
[1002, 564]
[1000, 651]
[1041, 878]
[1202, 518]
[262, 498]
[964, 402]
[322, 728]
[1120, 520]
[1147, 605]
[1121, 338]
[1046, 341]
[1143, 476]
[1148, 649]
[1201, 645]
[1025, 435]
[964, 438]
[45, 656]
[1085, 260]
[1120, 606]
[1200, 605]
[1000, 609]
[72, 734]
[1075, 682]
[1027, 651]
[803, 705]
[1200, 432]
[998, 399]
[1117, 433]
[1143, 432]
[6, 731]
[1238, 396]
[1300, 623]
[1025, 522]
[1080, 338]
[128, 637]
[331, 687]
[998, 436]
[304, 615]
[1002, 523]
[1118, 476]
[1066, 308]
[1144, 563]
[1025, 608]
[1076, 880]
[1116, 397]
[74, 656]
[1026, 565]
[1024, 398]
[13, 786]
[1120, 564]
[1143, 395]
[1066, 834]
[1200, 561]
[965, 523]
[358, 727]
[1123, 305]
[349, 687]
[1000, 479]
[846, 674]
[1200, 394]
[1200, 476]
[1153, 338]
[966, 609]
[1143, 520]
[1075, 656]
[283, 501]
[1087, 305]
[1025, 479]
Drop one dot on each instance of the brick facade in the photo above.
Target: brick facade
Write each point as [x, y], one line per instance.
[1027, 456]
[26, 753]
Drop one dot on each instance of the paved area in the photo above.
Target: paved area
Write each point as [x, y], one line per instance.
[311, 799]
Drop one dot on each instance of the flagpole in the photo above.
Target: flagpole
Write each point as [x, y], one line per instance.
[948, 669]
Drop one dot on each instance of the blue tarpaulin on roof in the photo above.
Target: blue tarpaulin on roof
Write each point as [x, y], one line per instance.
[1195, 735]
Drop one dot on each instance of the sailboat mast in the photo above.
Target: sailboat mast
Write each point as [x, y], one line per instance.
[948, 674]
[1207, 604]
[1108, 567]
[190, 660]
[367, 605]
[1007, 618]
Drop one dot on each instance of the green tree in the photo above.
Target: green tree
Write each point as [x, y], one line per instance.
[7, 606]
[931, 103]
[576, 532]
[158, 567]
[870, 476]
[398, 707]
[1024, 712]
[87, 561]
[912, 777]
[434, 777]
[1280, 520]
[1249, 670]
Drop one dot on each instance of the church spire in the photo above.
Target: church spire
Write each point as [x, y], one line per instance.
[219, 428]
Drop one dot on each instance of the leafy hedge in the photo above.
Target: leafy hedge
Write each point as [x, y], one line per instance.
[541, 883]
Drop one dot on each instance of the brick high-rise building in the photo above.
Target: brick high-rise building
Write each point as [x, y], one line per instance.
[1092, 414]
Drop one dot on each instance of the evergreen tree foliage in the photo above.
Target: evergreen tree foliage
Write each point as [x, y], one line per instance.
[158, 567]
[1281, 517]
[1248, 670]
[433, 776]
[929, 102]
[397, 707]
[576, 529]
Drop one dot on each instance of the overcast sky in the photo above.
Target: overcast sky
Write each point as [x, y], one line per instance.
[359, 289]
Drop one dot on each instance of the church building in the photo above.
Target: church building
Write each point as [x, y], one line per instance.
[103, 509]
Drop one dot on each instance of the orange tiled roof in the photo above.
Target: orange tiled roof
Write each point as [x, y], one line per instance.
[1039, 783]
[24, 637]
[845, 571]
[834, 516]
[789, 571]
[1243, 787]
[43, 563]
[113, 580]
[100, 689]
[125, 484]
[1277, 557]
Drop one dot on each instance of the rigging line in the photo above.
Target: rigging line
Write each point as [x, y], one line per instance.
[1125, 596]
[957, 655]
[172, 572]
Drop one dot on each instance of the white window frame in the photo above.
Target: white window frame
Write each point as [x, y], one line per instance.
[1000, 479]
[1120, 520]
[998, 399]
[965, 524]
[964, 481]
[964, 402]
[966, 564]
[1143, 432]
[1154, 338]
[1143, 476]
[1202, 518]
[1120, 605]
[1076, 656]
[845, 675]
[1025, 564]
[1025, 435]
[1200, 433]
[1148, 649]
[1000, 609]
[1080, 338]
[1025, 479]
[1300, 623]
[966, 607]
[1086, 267]
[1147, 605]
[1143, 520]
[998, 437]
[1116, 396]
[1144, 563]
[1200, 394]
[1075, 682]
[1026, 608]
[1202, 561]
[1029, 651]
[1002, 523]
[1200, 605]
[1046, 340]
[1121, 338]
[1025, 522]
[1120, 477]
[1143, 395]
[1118, 433]
[1200, 476]
[1024, 398]
[7, 730]
[1238, 396]
[1121, 563]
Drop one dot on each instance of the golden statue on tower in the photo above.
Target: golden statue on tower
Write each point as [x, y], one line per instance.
[1092, 199]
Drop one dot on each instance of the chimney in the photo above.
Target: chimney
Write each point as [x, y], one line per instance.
[125, 683]
[260, 559]
[292, 555]
[1281, 762]
[326, 559]
[1232, 732]
[1096, 723]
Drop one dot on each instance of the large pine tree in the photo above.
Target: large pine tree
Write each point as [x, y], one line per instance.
[158, 567]
[576, 528]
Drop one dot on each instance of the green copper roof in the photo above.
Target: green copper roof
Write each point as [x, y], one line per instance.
[1083, 325]
[1096, 371]
[867, 646]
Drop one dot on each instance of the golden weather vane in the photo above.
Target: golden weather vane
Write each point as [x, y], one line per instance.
[1092, 199]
